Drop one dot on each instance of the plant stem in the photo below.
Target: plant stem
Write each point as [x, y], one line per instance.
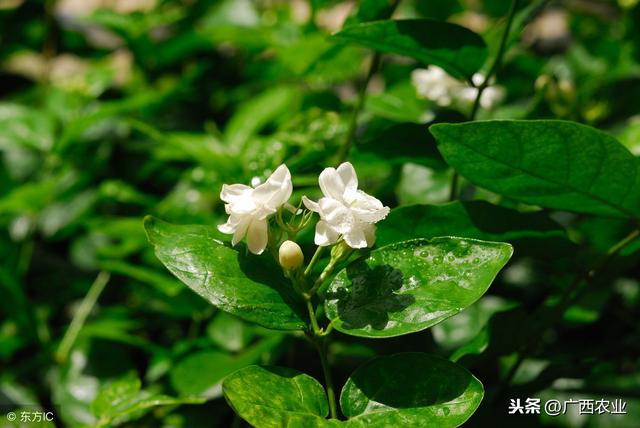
[496, 62]
[568, 297]
[313, 261]
[81, 315]
[345, 148]
[485, 83]
[312, 317]
[325, 273]
[328, 379]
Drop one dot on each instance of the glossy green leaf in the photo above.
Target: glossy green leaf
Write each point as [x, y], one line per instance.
[247, 286]
[531, 233]
[275, 397]
[124, 399]
[410, 389]
[554, 164]
[459, 51]
[412, 285]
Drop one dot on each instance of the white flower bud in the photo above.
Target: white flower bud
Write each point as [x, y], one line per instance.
[290, 255]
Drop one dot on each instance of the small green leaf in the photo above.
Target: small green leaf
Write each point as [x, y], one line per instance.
[410, 389]
[531, 233]
[229, 332]
[459, 51]
[275, 397]
[250, 287]
[409, 286]
[259, 111]
[201, 373]
[554, 164]
[26, 127]
[123, 399]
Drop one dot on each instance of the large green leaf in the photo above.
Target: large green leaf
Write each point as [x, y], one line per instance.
[410, 389]
[459, 51]
[249, 287]
[531, 233]
[275, 397]
[554, 164]
[412, 285]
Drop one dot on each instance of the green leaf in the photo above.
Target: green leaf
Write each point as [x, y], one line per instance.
[412, 285]
[252, 288]
[531, 233]
[459, 51]
[410, 389]
[275, 397]
[230, 333]
[124, 399]
[554, 164]
[24, 126]
[201, 373]
[404, 142]
[252, 116]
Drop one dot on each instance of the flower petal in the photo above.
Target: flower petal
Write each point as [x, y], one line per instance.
[355, 237]
[369, 234]
[349, 178]
[336, 214]
[368, 209]
[325, 235]
[331, 184]
[311, 205]
[226, 228]
[241, 229]
[276, 190]
[233, 192]
[257, 236]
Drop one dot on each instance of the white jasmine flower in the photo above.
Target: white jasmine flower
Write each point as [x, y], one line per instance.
[434, 84]
[491, 96]
[345, 210]
[249, 208]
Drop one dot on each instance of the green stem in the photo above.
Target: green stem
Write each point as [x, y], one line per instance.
[496, 62]
[345, 148]
[323, 276]
[26, 252]
[81, 315]
[312, 317]
[328, 379]
[492, 70]
[313, 261]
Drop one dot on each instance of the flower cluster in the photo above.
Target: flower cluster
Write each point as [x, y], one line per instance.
[345, 211]
[434, 84]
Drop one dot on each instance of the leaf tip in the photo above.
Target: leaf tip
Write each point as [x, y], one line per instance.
[150, 223]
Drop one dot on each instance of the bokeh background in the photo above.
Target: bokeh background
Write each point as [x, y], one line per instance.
[114, 109]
